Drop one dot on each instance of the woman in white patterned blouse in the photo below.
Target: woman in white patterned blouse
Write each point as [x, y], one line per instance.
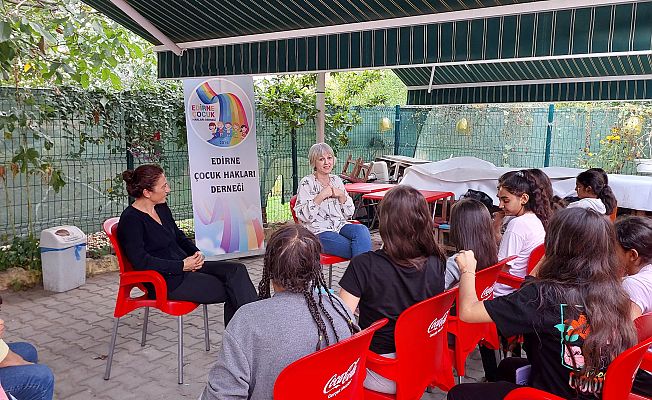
[324, 207]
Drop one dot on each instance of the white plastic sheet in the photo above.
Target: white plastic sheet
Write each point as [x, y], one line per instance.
[459, 174]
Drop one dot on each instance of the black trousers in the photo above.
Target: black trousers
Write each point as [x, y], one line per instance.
[217, 282]
[505, 375]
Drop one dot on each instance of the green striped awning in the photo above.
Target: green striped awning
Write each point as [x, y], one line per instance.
[550, 92]
[480, 49]
[194, 20]
[606, 29]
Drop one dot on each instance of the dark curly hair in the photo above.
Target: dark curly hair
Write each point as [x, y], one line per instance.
[524, 182]
[292, 262]
[143, 177]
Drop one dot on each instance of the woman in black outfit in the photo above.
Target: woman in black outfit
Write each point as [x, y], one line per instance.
[151, 240]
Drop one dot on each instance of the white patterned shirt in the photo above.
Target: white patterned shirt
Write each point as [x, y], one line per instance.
[330, 214]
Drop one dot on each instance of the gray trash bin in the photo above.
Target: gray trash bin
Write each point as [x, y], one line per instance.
[63, 256]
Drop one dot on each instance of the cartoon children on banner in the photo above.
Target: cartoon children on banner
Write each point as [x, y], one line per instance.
[231, 127]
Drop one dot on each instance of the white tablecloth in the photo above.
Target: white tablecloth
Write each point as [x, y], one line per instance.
[459, 174]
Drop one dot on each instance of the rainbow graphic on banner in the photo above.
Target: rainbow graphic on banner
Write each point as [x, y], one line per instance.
[240, 225]
[232, 115]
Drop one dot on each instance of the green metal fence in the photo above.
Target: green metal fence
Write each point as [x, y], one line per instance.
[514, 135]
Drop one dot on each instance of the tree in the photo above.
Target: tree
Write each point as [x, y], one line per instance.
[49, 43]
[366, 88]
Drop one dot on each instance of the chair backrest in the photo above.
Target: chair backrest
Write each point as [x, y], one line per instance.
[486, 279]
[111, 229]
[468, 335]
[293, 202]
[422, 346]
[620, 375]
[535, 256]
[644, 326]
[613, 214]
[336, 372]
[381, 171]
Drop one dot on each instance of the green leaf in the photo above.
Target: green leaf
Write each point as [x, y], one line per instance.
[84, 79]
[42, 31]
[5, 31]
[57, 181]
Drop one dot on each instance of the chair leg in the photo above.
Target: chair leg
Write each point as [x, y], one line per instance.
[109, 358]
[330, 276]
[459, 380]
[145, 320]
[180, 349]
[206, 338]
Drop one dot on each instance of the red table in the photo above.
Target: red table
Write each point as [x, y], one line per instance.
[367, 187]
[431, 197]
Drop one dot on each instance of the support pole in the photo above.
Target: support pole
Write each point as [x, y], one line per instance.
[321, 106]
[551, 118]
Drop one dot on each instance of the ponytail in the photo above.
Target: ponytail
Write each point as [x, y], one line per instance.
[598, 181]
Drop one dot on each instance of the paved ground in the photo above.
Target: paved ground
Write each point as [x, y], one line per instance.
[72, 331]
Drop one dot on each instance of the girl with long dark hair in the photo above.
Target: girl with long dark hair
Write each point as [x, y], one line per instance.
[574, 316]
[408, 269]
[520, 197]
[266, 336]
[592, 187]
[470, 224]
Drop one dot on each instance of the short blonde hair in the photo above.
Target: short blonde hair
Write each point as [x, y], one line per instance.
[317, 150]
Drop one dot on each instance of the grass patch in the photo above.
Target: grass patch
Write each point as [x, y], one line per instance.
[276, 211]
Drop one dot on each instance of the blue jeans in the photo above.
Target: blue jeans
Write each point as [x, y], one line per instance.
[27, 382]
[352, 240]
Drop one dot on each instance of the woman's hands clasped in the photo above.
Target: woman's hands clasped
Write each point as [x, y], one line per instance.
[193, 262]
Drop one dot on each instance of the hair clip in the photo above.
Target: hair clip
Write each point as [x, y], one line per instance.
[520, 174]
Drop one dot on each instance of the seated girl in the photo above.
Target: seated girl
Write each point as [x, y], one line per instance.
[574, 316]
[635, 252]
[470, 224]
[520, 197]
[408, 269]
[266, 336]
[592, 187]
[324, 206]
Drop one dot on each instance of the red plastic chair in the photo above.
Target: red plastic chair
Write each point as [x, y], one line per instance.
[644, 328]
[129, 279]
[422, 356]
[324, 259]
[620, 374]
[467, 335]
[336, 372]
[515, 281]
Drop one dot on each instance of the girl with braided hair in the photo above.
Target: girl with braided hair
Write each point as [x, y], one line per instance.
[408, 269]
[522, 198]
[266, 336]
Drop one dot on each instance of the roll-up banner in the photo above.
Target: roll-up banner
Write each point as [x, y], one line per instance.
[221, 129]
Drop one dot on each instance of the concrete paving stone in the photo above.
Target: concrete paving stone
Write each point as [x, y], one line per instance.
[74, 329]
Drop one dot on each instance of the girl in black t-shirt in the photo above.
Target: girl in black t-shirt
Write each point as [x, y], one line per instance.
[408, 269]
[574, 316]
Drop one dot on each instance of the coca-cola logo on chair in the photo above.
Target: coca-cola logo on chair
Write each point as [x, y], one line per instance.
[338, 382]
[437, 325]
[487, 293]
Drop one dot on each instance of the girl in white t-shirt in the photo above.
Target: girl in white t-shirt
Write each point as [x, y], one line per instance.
[522, 198]
[635, 252]
[592, 187]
